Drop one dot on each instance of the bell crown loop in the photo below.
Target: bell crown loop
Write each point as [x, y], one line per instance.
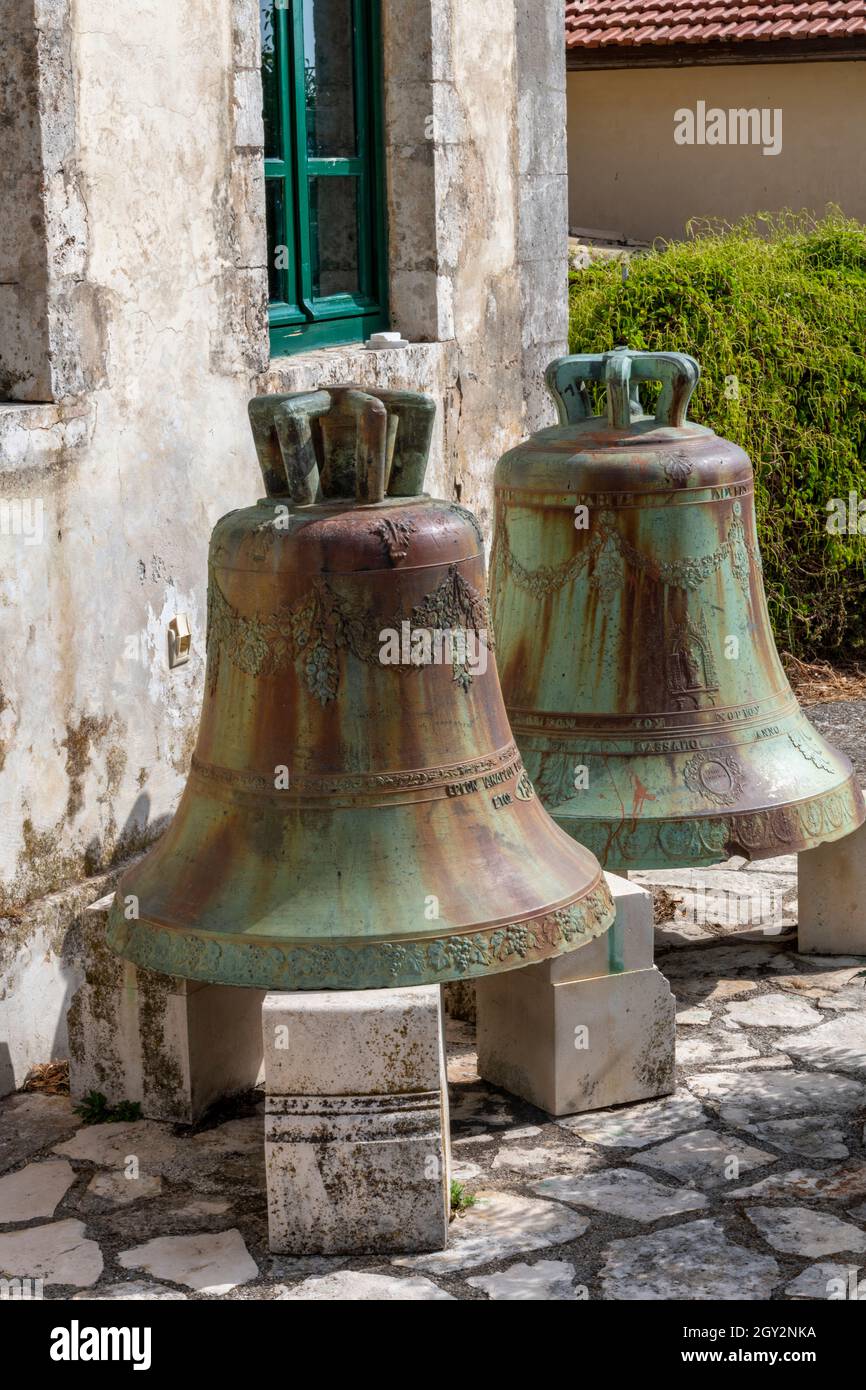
[342, 442]
[621, 371]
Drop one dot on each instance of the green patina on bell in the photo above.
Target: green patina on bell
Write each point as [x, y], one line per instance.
[635, 650]
[357, 815]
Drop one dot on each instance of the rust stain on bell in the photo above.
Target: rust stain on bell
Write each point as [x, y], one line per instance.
[357, 814]
[638, 665]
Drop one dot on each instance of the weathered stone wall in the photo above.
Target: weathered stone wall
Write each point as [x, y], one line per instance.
[131, 468]
[542, 192]
[52, 315]
[147, 130]
[23, 260]
[477, 210]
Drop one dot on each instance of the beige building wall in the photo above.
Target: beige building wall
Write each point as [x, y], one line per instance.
[626, 174]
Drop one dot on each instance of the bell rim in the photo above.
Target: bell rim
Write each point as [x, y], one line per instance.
[706, 844]
[387, 963]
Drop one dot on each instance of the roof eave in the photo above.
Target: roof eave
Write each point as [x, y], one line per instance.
[680, 55]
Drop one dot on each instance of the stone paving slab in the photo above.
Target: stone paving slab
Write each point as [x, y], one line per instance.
[704, 1158]
[514, 1158]
[136, 1290]
[748, 1183]
[35, 1191]
[31, 1123]
[823, 1280]
[551, 1280]
[759, 1096]
[773, 1011]
[59, 1252]
[839, 1044]
[500, 1226]
[208, 1263]
[715, 1047]
[801, 1231]
[846, 1182]
[635, 1126]
[365, 1288]
[621, 1192]
[810, 1135]
[697, 1260]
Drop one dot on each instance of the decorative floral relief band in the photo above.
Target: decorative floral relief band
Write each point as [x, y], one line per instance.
[606, 548]
[325, 622]
[709, 839]
[369, 964]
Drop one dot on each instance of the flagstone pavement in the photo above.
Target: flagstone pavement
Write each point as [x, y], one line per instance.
[749, 1182]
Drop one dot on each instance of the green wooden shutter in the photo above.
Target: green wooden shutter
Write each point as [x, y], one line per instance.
[324, 177]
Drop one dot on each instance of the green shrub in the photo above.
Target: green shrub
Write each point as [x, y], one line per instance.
[780, 304]
[95, 1110]
[461, 1199]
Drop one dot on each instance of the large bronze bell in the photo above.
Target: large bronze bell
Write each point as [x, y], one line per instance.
[637, 660]
[357, 814]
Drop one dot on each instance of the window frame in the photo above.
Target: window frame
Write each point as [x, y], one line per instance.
[299, 320]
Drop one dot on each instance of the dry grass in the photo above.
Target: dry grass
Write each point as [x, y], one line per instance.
[817, 682]
[664, 905]
[51, 1078]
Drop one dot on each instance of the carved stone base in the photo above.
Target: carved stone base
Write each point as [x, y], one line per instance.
[175, 1046]
[831, 894]
[590, 1029]
[356, 1125]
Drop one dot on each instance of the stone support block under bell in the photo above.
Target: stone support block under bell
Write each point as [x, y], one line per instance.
[588, 1029]
[831, 897]
[356, 1123]
[175, 1046]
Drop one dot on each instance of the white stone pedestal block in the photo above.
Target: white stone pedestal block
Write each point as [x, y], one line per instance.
[356, 1124]
[831, 897]
[173, 1045]
[589, 1029]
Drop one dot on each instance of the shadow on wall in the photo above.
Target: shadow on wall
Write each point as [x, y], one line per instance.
[73, 962]
[49, 965]
[7, 1074]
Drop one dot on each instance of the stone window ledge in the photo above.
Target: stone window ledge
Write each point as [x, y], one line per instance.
[420, 366]
[34, 435]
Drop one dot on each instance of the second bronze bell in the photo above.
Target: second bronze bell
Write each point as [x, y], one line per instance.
[357, 814]
[638, 663]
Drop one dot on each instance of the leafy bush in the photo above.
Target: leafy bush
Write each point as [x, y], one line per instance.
[95, 1110]
[461, 1199]
[780, 304]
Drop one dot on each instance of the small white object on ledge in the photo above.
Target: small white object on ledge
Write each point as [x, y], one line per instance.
[386, 340]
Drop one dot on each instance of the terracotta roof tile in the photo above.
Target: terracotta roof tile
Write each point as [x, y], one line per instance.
[634, 23]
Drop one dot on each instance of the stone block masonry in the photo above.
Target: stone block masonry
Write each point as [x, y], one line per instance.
[356, 1123]
[831, 897]
[588, 1029]
[175, 1046]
